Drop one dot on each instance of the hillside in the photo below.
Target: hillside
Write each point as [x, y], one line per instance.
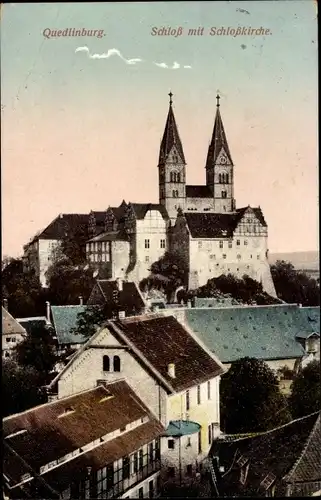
[300, 260]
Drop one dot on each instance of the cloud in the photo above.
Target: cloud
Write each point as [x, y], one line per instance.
[116, 52]
[175, 65]
[108, 54]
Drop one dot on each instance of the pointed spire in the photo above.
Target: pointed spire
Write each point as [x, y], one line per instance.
[171, 136]
[218, 140]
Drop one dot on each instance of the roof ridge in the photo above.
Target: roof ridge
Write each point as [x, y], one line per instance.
[259, 434]
[305, 447]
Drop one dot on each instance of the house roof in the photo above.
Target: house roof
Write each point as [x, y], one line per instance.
[64, 320]
[130, 299]
[291, 452]
[110, 236]
[170, 138]
[198, 192]
[311, 316]
[263, 332]
[71, 423]
[10, 325]
[163, 340]
[29, 323]
[141, 209]
[58, 228]
[211, 225]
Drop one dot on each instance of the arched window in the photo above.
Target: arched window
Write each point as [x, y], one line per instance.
[172, 177]
[116, 364]
[227, 180]
[224, 194]
[220, 179]
[176, 193]
[178, 178]
[106, 364]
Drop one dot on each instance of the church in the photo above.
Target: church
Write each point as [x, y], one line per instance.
[201, 223]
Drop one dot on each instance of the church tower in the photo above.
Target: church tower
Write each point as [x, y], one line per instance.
[219, 167]
[171, 167]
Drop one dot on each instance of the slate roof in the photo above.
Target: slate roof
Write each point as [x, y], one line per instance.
[291, 452]
[170, 138]
[110, 236]
[57, 229]
[129, 298]
[311, 315]
[10, 326]
[141, 209]
[71, 423]
[263, 332]
[163, 340]
[64, 320]
[198, 192]
[218, 141]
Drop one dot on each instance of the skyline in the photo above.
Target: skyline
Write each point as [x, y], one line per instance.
[82, 115]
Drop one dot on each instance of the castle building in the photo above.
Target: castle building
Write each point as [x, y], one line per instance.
[201, 223]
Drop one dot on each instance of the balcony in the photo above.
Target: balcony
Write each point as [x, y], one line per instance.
[124, 485]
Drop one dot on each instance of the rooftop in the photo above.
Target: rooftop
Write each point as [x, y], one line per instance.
[130, 299]
[64, 320]
[178, 428]
[10, 326]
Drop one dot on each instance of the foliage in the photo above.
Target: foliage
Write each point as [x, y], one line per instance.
[22, 290]
[294, 287]
[245, 290]
[37, 351]
[305, 395]
[167, 273]
[94, 316]
[73, 244]
[251, 400]
[20, 388]
[67, 282]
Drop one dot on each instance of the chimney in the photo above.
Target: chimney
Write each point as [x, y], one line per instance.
[171, 370]
[121, 315]
[5, 304]
[81, 300]
[119, 284]
[48, 311]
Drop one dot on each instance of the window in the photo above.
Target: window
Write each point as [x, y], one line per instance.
[209, 434]
[189, 469]
[188, 442]
[238, 256]
[151, 452]
[116, 364]
[230, 244]
[151, 489]
[224, 194]
[141, 459]
[162, 243]
[199, 442]
[106, 364]
[146, 258]
[258, 257]
[122, 429]
[187, 401]
[178, 178]
[110, 476]
[198, 394]
[135, 463]
[8, 339]
[175, 193]
[224, 255]
[221, 244]
[141, 493]
[96, 246]
[171, 444]
[146, 243]
[209, 389]
[126, 467]
[213, 256]
[245, 242]
[238, 243]
[220, 178]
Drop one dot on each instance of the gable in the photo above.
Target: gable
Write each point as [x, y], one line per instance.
[251, 221]
[223, 158]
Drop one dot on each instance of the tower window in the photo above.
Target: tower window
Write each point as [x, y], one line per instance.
[238, 243]
[106, 364]
[175, 193]
[224, 194]
[147, 242]
[224, 255]
[162, 243]
[116, 364]
[221, 244]
[230, 244]
[178, 178]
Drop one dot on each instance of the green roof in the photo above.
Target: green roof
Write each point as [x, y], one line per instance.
[311, 315]
[64, 320]
[263, 332]
[215, 302]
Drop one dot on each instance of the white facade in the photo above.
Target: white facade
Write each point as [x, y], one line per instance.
[38, 257]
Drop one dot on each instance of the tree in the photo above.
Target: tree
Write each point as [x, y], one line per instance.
[305, 395]
[167, 273]
[73, 244]
[294, 287]
[67, 282]
[21, 388]
[37, 351]
[93, 317]
[251, 400]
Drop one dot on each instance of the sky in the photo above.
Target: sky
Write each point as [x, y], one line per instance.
[81, 129]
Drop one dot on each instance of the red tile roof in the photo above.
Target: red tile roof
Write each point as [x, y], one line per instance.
[70, 423]
[162, 340]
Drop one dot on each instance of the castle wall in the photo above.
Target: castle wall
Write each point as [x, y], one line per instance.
[199, 204]
[119, 258]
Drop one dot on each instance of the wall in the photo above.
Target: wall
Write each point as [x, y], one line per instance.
[119, 258]
[46, 248]
[152, 228]
[133, 492]
[87, 368]
[199, 204]
[8, 346]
